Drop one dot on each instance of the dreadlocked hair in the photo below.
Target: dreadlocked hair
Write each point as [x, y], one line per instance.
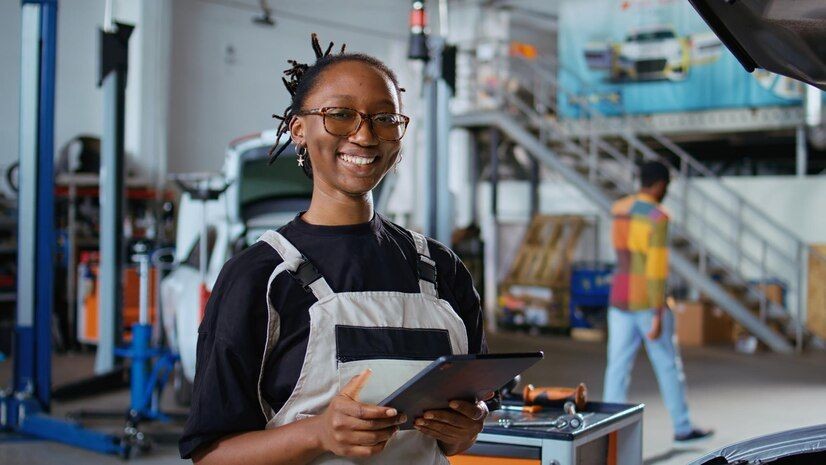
[301, 78]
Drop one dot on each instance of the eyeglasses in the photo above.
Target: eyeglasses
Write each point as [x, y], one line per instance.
[344, 122]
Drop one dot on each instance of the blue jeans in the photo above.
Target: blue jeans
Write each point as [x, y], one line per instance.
[626, 330]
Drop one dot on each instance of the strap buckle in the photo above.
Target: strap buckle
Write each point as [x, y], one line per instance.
[427, 269]
[306, 274]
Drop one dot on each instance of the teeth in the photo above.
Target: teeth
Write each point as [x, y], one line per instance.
[357, 160]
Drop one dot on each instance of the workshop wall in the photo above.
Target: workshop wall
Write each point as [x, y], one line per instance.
[78, 100]
[780, 197]
[226, 71]
[9, 82]
[201, 73]
[556, 197]
[773, 194]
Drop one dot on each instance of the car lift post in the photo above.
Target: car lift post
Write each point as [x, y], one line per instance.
[114, 57]
[24, 408]
[439, 59]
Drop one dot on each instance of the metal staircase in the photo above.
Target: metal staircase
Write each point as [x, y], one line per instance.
[722, 245]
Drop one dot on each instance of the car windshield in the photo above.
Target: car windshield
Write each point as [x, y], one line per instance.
[650, 36]
[281, 186]
[259, 181]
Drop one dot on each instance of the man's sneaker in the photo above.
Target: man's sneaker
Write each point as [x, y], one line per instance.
[695, 434]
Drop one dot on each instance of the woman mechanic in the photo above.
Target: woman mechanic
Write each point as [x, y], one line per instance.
[314, 324]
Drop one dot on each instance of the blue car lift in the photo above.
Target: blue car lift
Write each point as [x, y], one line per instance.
[25, 407]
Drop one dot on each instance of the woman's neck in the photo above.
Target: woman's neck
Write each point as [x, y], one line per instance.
[339, 210]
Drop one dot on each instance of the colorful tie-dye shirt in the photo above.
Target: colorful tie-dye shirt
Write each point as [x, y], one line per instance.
[640, 237]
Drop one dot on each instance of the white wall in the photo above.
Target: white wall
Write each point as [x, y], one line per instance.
[184, 96]
[9, 82]
[78, 100]
[216, 97]
[556, 197]
[797, 204]
[186, 99]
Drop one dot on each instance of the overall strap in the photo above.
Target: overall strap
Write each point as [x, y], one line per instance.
[297, 264]
[273, 333]
[426, 267]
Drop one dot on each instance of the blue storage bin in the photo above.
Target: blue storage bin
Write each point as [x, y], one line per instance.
[590, 294]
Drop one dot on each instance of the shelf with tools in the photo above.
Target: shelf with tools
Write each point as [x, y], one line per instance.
[542, 290]
[147, 215]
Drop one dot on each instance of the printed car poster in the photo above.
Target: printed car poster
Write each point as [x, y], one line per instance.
[650, 56]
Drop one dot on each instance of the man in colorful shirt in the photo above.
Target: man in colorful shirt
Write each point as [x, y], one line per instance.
[638, 313]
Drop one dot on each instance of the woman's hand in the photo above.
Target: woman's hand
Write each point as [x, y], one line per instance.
[455, 429]
[349, 428]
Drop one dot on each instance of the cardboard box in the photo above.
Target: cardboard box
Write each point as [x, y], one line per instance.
[816, 309]
[774, 292]
[702, 324]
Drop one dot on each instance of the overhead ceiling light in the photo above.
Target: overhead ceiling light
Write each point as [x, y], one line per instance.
[266, 15]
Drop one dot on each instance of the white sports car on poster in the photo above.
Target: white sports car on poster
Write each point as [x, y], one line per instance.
[652, 53]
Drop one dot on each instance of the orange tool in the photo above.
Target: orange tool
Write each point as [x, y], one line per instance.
[556, 395]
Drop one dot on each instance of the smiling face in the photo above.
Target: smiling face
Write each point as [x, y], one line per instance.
[348, 165]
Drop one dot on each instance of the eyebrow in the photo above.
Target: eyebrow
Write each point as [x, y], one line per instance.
[350, 97]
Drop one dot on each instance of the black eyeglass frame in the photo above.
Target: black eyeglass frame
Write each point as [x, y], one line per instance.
[364, 117]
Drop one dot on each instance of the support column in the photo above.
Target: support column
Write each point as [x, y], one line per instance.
[473, 169]
[491, 239]
[444, 212]
[36, 236]
[24, 350]
[45, 205]
[802, 155]
[534, 181]
[113, 67]
[432, 163]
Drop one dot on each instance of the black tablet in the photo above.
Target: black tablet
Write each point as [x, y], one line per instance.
[456, 377]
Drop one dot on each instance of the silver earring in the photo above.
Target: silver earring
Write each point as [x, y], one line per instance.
[302, 152]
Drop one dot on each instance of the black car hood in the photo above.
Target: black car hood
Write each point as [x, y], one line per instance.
[787, 37]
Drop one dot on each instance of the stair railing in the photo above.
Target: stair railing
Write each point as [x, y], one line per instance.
[743, 248]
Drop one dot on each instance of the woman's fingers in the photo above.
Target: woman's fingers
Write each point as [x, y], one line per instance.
[355, 409]
[355, 429]
[446, 417]
[370, 438]
[352, 389]
[441, 432]
[474, 411]
[358, 424]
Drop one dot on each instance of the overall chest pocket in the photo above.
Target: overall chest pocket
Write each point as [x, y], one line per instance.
[393, 354]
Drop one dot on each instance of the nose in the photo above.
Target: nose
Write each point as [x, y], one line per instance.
[364, 135]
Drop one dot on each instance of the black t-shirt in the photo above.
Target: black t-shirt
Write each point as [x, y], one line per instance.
[373, 256]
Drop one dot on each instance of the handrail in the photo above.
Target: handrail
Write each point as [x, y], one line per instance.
[744, 255]
[692, 162]
[659, 137]
[742, 249]
[513, 125]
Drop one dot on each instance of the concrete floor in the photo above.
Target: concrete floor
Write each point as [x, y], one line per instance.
[741, 396]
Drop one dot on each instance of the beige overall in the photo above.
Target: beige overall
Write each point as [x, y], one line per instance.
[323, 374]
